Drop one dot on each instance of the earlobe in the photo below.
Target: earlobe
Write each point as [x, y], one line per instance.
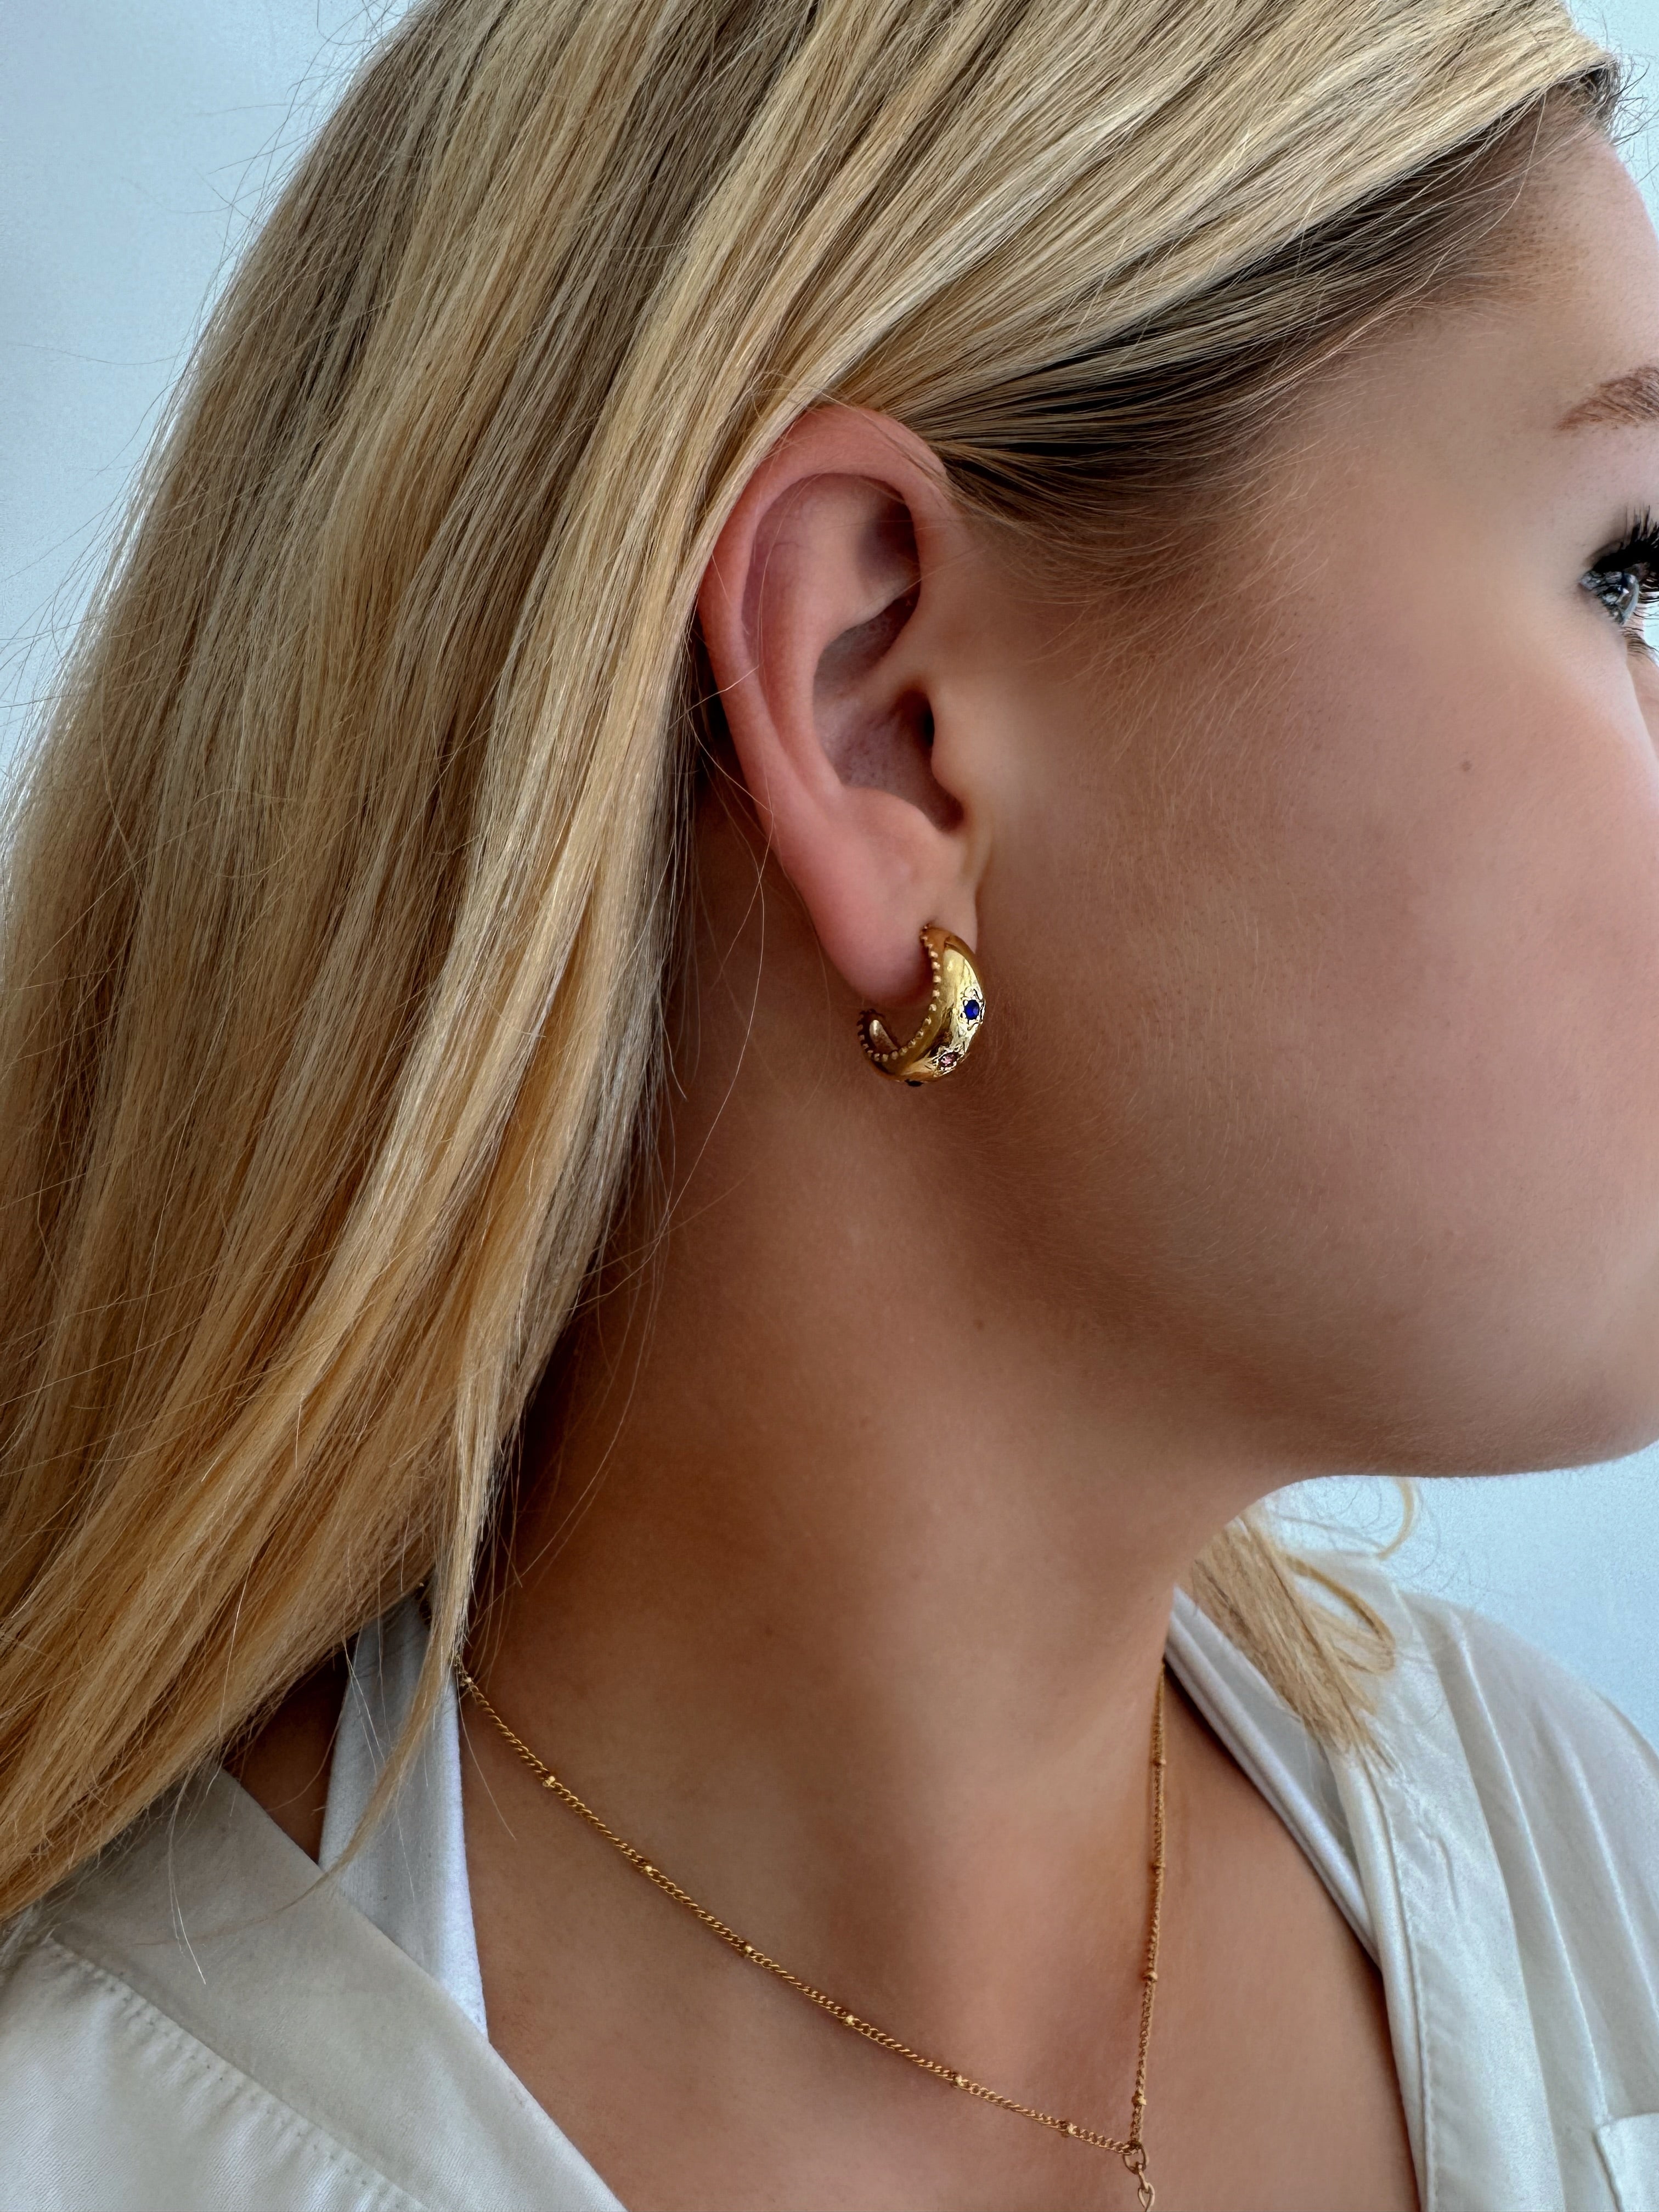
[821, 614]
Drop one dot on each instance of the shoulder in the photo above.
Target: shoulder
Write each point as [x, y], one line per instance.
[114, 2094]
[1527, 1725]
[203, 2020]
[1524, 1720]
[105, 2102]
[1507, 1829]
[1567, 1789]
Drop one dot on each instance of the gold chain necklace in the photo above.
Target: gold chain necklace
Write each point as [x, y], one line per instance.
[1131, 2151]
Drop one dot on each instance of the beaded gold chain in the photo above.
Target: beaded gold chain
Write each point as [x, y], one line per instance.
[1132, 2150]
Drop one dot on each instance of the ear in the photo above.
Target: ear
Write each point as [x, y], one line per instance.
[827, 612]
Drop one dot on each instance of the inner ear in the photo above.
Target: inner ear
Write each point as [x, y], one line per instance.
[877, 730]
[891, 749]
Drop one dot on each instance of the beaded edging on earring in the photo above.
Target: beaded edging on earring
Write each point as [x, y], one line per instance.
[954, 1019]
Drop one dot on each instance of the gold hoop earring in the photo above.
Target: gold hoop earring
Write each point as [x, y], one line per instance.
[955, 1017]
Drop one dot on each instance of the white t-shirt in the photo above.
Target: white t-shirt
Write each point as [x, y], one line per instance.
[204, 2025]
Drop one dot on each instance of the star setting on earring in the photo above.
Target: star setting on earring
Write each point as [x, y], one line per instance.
[955, 1015]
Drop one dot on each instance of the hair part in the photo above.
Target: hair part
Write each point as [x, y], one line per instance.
[341, 889]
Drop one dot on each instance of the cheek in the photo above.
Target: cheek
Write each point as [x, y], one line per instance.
[1478, 855]
[1457, 1061]
[1373, 1126]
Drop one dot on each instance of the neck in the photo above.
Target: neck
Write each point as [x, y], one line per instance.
[844, 1561]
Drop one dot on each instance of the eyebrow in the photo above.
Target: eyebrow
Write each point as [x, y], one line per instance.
[1633, 397]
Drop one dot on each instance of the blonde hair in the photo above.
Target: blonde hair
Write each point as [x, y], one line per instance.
[342, 886]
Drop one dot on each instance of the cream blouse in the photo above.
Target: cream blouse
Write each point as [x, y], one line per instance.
[201, 2024]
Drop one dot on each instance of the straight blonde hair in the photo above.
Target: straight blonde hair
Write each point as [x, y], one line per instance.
[341, 889]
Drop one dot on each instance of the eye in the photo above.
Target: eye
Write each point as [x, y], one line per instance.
[1624, 579]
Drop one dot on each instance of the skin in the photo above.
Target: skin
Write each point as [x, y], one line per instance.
[1312, 1129]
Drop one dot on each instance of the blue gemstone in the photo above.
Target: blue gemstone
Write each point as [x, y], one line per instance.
[970, 1010]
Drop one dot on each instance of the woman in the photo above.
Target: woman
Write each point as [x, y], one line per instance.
[1119, 534]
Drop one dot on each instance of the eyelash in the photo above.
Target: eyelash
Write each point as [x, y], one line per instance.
[1624, 579]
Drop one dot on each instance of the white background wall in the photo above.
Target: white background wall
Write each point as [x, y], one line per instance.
[135, 144]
